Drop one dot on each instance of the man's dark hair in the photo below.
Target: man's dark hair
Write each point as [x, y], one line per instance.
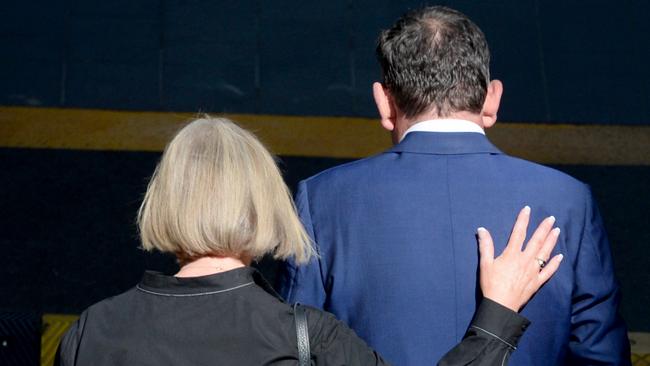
[435, 59]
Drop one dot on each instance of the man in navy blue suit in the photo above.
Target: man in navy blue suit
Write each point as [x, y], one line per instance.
[396, 231]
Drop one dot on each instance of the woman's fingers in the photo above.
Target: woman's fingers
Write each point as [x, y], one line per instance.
[549, 270]
[518, 234]
[513, 278]
[485, 247]
[539, 238]
[551, 239]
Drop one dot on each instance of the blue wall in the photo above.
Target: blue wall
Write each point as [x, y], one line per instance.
[576, 62]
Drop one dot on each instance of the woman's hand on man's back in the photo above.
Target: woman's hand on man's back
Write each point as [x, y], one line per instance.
[512, 278]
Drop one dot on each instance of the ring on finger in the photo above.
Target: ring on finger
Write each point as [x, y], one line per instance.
[541, 262]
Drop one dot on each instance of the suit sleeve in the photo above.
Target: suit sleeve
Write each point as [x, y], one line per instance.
[305, 283]
[598, 333]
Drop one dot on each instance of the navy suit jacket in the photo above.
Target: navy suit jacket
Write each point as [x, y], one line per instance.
[399, 261]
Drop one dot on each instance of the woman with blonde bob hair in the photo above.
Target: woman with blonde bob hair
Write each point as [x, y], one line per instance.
[217, 201]
[217, 191]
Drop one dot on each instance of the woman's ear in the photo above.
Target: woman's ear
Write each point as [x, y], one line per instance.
[491, 104]
[385, 105]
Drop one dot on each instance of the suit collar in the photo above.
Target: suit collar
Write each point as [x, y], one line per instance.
[444, 125]
[445, 143]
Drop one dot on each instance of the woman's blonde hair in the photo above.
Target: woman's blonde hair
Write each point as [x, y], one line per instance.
[218, 191]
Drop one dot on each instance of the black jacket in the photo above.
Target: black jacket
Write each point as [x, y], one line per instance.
[235, 318]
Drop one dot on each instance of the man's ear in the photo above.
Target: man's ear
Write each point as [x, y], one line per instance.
[385, 106]
[491, 104]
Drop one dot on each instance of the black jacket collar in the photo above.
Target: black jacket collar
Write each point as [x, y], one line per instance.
[158, 283]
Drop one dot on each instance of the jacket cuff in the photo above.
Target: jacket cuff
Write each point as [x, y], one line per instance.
[499, 322]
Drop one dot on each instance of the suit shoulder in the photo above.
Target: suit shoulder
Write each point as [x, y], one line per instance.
[348, 170]
[544, 174]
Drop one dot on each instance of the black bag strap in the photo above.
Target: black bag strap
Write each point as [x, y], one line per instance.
[302, 333]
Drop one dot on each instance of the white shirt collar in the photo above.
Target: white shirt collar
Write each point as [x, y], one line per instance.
[444, 125]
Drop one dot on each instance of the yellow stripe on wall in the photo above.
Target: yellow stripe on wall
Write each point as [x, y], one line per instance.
[337, 137]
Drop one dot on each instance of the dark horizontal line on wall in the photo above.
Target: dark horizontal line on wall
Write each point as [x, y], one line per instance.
[336, 137]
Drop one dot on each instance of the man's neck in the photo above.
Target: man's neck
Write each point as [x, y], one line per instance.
[403, 124]
[465, 116]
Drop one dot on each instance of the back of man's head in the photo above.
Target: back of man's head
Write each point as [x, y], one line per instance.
[435, 60]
